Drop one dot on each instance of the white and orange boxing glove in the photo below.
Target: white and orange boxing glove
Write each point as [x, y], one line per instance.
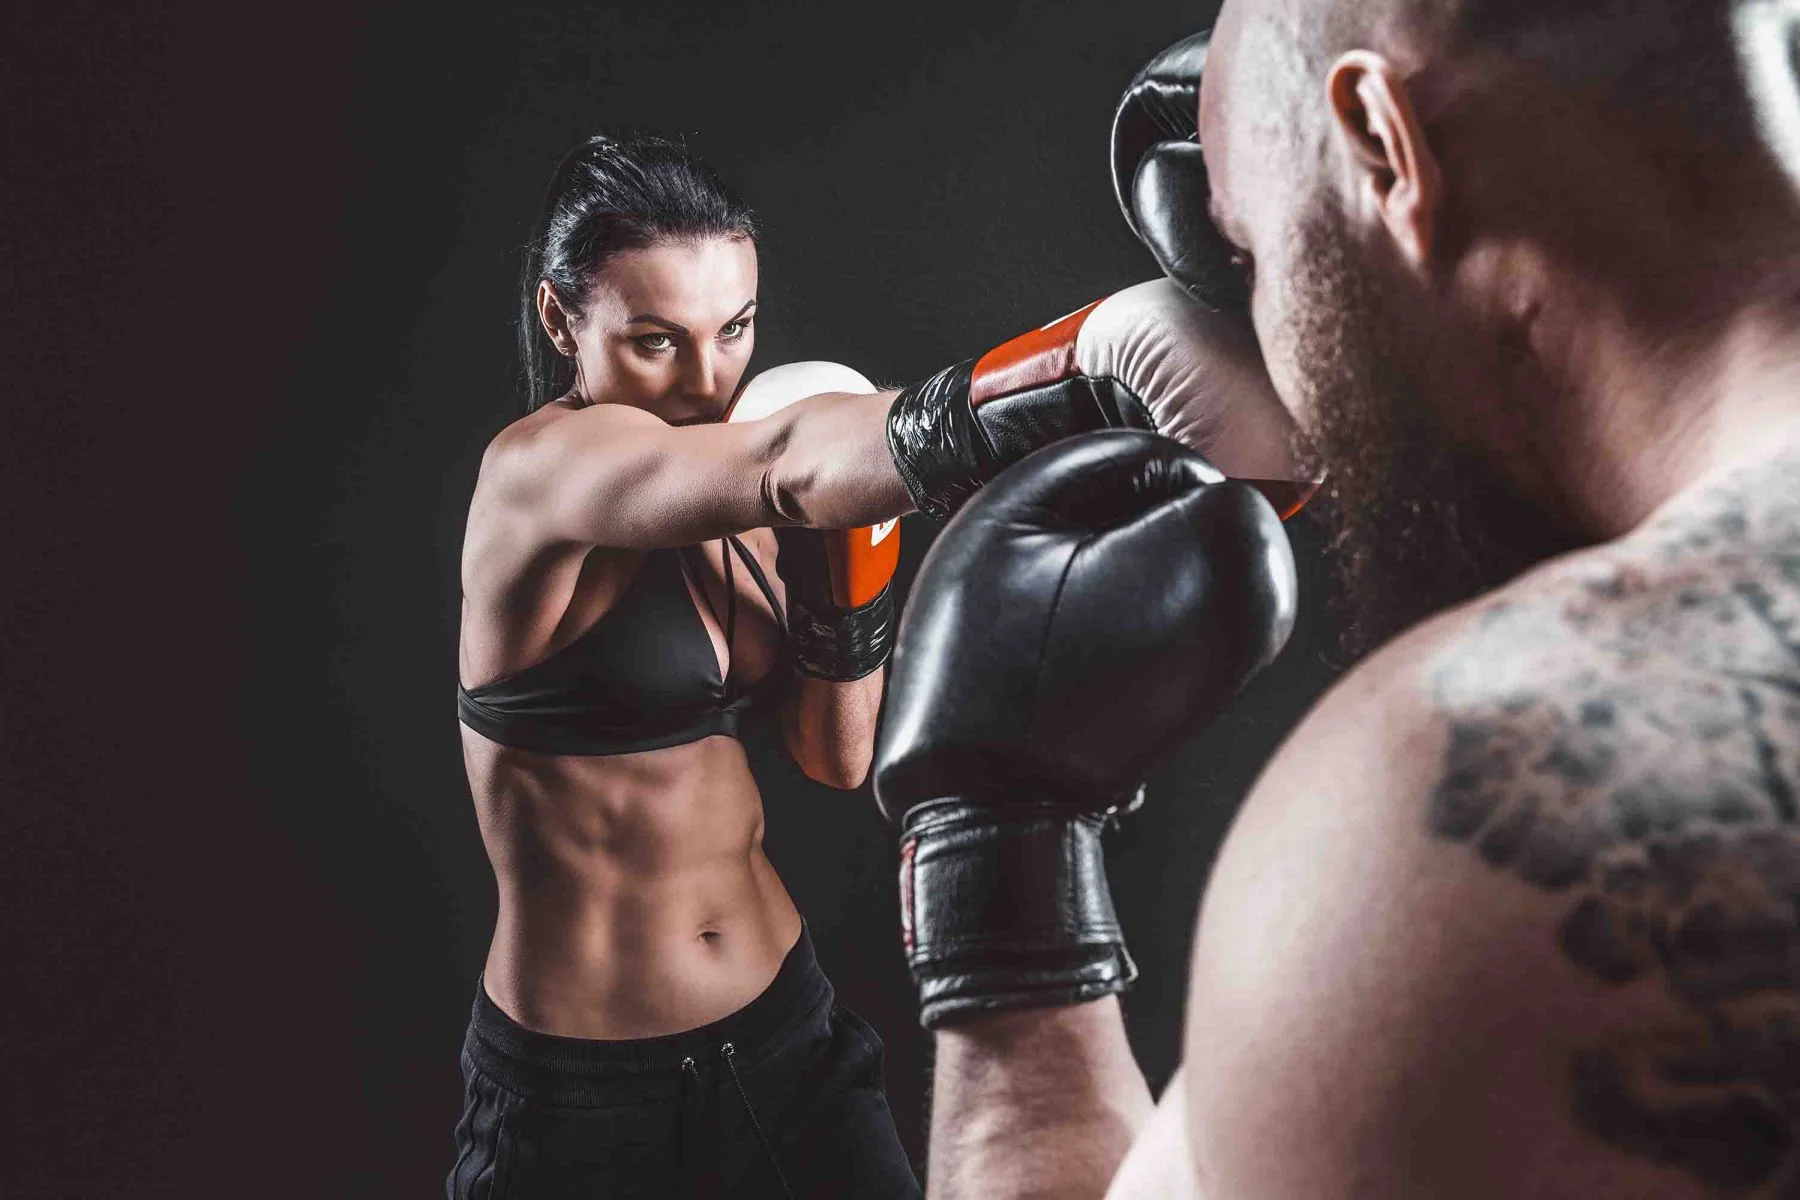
[840, 609]
[1148, 358]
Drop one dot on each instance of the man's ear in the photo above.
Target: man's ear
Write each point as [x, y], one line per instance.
[555, 319]
[1395, 167]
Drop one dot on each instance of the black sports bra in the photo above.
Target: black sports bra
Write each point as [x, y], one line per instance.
[643, 677]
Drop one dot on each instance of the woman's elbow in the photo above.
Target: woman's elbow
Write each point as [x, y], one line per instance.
[837, 771]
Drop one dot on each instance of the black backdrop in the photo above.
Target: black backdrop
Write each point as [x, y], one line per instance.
[260, 271]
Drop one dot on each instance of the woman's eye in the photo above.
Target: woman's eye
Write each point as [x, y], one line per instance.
[655, 342]
[735, 330]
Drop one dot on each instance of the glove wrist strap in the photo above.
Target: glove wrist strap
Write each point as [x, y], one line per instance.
[953, 432]
[841, 644]
[1007, 907]
[937, 444]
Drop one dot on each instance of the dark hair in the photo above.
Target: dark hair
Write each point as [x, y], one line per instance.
[606, 196]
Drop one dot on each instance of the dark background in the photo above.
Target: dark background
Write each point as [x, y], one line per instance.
[259, 271]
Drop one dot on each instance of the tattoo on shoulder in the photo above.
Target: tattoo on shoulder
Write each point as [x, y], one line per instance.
[1651, 774]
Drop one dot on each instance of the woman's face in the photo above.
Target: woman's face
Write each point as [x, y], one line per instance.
[669, 328]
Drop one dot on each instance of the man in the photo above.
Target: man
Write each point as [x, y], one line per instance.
[1514, 910]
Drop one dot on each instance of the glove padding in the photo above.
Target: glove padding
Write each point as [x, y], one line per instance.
[1092, 607]
[840, 607]
[1143, 358]
[1159, 177]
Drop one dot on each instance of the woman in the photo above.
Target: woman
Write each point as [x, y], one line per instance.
[651, 1020]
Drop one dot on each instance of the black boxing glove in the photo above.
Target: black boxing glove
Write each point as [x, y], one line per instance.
[1159, 177]
[1089, 609]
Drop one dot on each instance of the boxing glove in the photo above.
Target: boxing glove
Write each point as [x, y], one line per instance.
[1159, 177]
[1093, 606]
[1144, 358]
[840, 610]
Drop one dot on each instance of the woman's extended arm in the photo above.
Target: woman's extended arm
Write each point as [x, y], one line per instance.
[614, 475]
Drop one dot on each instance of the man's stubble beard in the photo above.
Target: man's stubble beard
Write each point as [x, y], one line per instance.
[1415, 523]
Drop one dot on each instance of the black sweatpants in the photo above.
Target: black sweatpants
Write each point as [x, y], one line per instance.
[781, 1098]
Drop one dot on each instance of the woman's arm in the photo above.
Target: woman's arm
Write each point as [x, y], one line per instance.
[841, 618]
[613, 475]
[830, 728]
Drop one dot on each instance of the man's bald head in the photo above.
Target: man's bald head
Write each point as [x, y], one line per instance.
[1650, 100]
[1681, 52]
[1446, 203]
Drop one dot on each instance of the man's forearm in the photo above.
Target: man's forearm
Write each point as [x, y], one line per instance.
[1034, 1102]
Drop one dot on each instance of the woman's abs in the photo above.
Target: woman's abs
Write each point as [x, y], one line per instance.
[635, 898]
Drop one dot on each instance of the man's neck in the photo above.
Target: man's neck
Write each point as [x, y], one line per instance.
[1655, 413]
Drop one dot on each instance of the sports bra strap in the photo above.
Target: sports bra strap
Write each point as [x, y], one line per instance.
[762, 580]
[729, 621]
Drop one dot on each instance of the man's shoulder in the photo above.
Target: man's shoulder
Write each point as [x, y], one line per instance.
[1647, 685]
[1658, 672]
[1697, 605]
[1559, 826]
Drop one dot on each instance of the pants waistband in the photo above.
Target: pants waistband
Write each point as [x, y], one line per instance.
[565, 1070]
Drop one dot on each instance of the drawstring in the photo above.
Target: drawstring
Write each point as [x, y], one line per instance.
[729, 1053]
[691, 1069]
[683, 1132]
